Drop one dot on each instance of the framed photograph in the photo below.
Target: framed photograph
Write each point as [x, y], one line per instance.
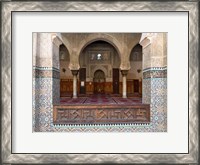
[95, 82]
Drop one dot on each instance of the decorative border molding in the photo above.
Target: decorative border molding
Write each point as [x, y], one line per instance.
[155, 72]
[99, 125]
[44, 72]
[46, 68]
[155, 68]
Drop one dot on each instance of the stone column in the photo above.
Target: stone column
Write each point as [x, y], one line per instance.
[124, 74]
[154, 91]
[75, 73]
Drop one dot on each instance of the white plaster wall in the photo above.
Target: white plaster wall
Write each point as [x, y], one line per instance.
[67, 74]
[133, 73]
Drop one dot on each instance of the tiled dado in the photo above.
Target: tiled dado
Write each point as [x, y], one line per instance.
[158, 72]
[46, 94]
[46, 72]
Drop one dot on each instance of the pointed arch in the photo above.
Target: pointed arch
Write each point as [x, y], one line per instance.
[100, 37]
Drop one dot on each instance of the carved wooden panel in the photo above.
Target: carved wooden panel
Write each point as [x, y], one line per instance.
[107, 86]
[66, 87]
[129, 86]
[106, 114]
[89, 87]
[115, 80]
[99, 87]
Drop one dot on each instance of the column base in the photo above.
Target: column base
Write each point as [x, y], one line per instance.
[74, 97]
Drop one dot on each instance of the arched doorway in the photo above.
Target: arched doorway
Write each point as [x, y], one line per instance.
[99, 81]
[99, 58]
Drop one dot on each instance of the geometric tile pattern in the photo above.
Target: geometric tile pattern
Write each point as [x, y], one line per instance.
[159, 102]
[146, 91]
[46, 92]
[42, 101]
[56, 91]
[155, 94]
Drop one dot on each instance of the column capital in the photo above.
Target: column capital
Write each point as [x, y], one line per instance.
[75, 72]
[124, 72]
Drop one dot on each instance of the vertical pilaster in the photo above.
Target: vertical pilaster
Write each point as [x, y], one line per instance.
[46, 79]
[42, 77]
[154, 90]
[56, 69]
